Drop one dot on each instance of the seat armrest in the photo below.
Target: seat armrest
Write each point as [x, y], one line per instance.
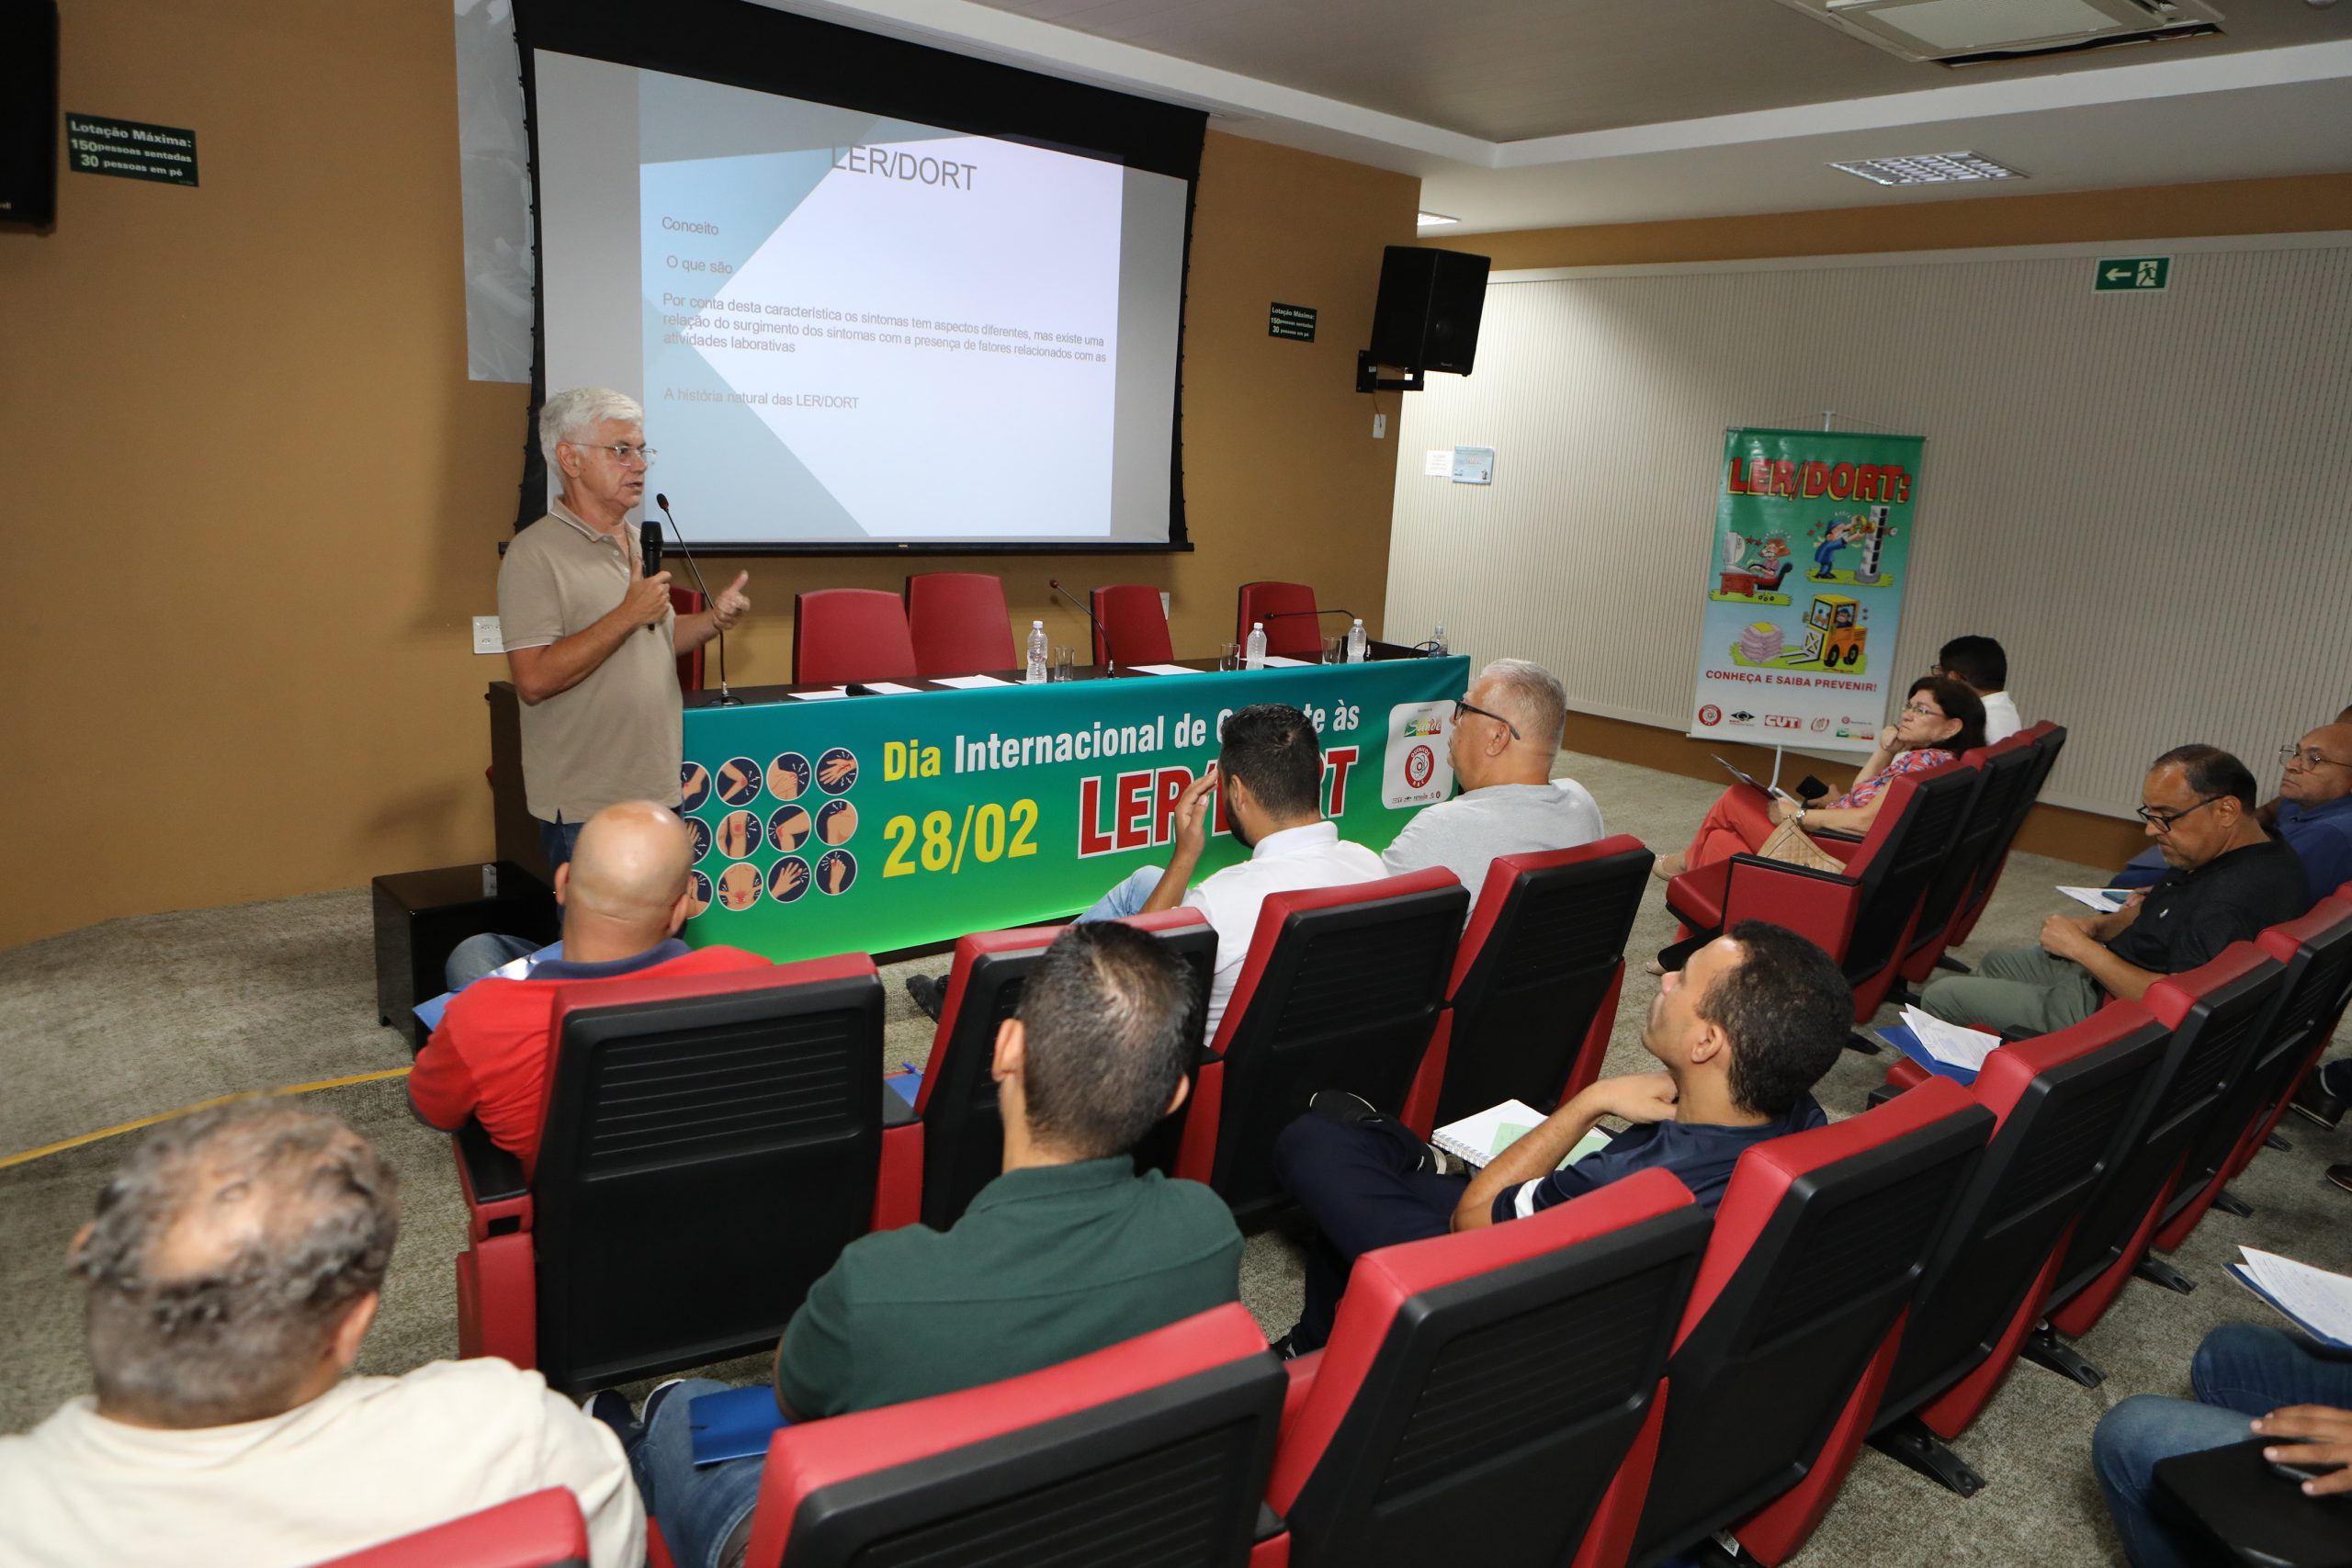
[1816, 905]
[1844, 836]
[1885, 1092]
[497, 1194]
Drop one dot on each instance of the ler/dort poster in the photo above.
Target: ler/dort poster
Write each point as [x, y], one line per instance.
[1812, 535]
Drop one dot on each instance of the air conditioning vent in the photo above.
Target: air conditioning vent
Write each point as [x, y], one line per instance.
[1963, 32]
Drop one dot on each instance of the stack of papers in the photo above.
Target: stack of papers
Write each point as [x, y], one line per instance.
[1163, 669]
[969, 682]
[2317, 1300]
[1281, 662]
[818, 696]
[2106, 900]
[890, 687]
[1949, 1043]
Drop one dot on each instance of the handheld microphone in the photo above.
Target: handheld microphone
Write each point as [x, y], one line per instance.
[649, 554]
[1110, 655]
[727, 699]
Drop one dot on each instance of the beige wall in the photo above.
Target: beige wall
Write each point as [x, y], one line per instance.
[260, 500]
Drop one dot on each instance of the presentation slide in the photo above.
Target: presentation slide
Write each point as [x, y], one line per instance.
[849, 330]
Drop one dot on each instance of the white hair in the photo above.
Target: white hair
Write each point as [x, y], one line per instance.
[569, 416]
[1542, 701]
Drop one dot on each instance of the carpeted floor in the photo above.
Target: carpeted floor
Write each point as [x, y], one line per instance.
[139, 1017]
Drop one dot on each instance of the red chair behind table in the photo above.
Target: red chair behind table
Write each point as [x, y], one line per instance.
[1164, 1439]
[710, 1144]
[2063, 1102]
[933, 1167]
[958, 623]
[2316, 951]
[1343, 988]
[2217, 1013]
[1552, 1329]
[542, 1529]
[1130, 626]
[2008, 769]
[684, 602]
[1536, 982]
[2322, 1026]
[1863, 916]
[850, 634]
[2049, 739]
[1293, 630]
[1793, 1322]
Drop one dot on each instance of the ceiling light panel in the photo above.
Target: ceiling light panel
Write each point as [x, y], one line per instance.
[1928, 169]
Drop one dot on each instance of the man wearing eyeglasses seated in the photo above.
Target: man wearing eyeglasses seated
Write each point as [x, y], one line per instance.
[2228, 881]
[590, 641]
[2317, 784]
[1502, 743]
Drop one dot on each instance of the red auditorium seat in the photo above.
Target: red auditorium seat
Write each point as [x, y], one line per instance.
[686, 601]
[1129, 615]
[850, 634]
[2217, 1013]
[543, 1529]
[1343, 988]
[2316, 952]
[931, 1168]
[958, 623]
[2064, 1102]
[1293, 630]
[1536, 982]
[2008, 770]
[1155, 1449]
[1793, 1322]
[2049, 739]
[1862, 916]
[1490, 1397]
[710, 1144]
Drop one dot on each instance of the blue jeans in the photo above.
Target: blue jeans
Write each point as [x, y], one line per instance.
[2241, 1370]
[1126, 897]
[1366, 1185]
[478, 956]
[558, 838]
[698, 1508]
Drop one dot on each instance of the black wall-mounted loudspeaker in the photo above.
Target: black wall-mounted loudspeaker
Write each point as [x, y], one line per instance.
[1427, 313]
[28, 111]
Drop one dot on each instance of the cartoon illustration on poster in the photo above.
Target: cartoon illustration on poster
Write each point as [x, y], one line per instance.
[1813, 537]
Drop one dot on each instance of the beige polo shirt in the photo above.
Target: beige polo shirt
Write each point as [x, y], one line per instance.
[615, 735]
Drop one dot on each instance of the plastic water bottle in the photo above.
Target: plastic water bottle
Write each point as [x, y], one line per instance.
[1437, 642]
[1037, 651]
[1253, 652]
[1359, 645]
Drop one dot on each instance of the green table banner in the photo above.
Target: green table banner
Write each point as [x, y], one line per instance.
[876, 823]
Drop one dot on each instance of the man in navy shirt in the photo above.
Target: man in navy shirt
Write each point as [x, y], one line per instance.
[1743, 1032]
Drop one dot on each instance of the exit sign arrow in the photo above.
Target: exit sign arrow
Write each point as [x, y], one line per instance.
[2132, 274]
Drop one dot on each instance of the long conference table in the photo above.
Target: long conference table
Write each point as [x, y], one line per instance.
[904, 820]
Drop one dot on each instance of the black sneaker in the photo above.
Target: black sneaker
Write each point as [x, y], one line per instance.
[2341, 1175]
[653, 1400]
[929, 993]
[2313, 1103]
[611, 1406]
[1340, 1106]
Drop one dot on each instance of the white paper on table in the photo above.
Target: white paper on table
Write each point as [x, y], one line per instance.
[2106, 900]
[818, 696]
[1165, 670]
[2313, 1296]
[891, 687]
[1284, 661]
[970, 683]
[1949, 1043]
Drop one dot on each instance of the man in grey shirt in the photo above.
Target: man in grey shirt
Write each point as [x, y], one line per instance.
[1504, 739]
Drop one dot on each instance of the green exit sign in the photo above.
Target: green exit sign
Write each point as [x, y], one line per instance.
[2136, 274]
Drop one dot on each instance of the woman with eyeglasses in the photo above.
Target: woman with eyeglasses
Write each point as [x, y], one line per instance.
[1942, 718]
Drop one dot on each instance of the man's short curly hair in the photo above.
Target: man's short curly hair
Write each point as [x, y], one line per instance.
[227, 1249]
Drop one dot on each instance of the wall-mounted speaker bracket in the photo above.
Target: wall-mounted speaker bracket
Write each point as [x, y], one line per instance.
[1369, 379]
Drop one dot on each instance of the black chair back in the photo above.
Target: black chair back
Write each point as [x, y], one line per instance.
[2006, 775]
[1894, 879]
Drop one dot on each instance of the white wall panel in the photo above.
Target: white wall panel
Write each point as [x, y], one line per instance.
[2147, 498]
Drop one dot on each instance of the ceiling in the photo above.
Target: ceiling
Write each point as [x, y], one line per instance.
[1523, 114]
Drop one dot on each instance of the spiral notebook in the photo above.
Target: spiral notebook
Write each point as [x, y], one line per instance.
[1476, 1139]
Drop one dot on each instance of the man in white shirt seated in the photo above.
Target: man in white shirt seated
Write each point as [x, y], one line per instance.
[1979, 664]
[231, 1274]
[1270, 769]
[1504, 739]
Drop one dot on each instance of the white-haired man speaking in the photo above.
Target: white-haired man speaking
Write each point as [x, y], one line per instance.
[1503, 741]
[590, 641]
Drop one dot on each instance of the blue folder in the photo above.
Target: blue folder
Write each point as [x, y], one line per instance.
[736, 1424]
[1899, 1035]
[2237, 1272]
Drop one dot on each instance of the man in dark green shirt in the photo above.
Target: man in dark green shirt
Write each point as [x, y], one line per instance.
[1066, 1252]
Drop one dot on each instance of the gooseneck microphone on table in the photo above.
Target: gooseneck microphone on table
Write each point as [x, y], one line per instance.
[727, 699]
[649, 554]
[1110, 654]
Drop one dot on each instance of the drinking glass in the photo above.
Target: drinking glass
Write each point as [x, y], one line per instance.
[1065, 664]
[1229, 656]
[1335, 649]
